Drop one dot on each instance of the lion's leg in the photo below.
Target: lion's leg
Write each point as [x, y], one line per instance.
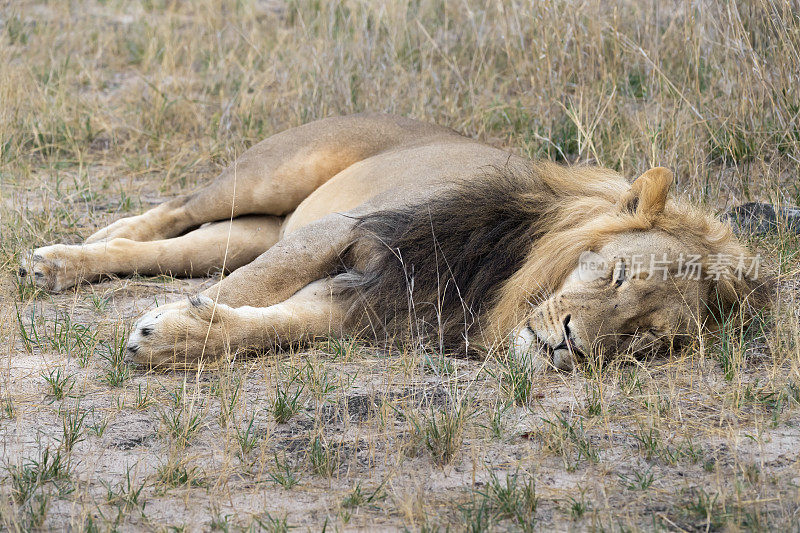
[229, 244]
[307, 254]
[271, 178]
[275, 175]
[198, 328]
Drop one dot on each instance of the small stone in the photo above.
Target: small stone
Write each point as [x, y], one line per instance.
[757, 218]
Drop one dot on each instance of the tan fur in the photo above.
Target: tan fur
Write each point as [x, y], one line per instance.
[646, 314]
[282, 214]
[592, 219]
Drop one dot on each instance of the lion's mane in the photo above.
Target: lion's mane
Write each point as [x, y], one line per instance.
[473, 258]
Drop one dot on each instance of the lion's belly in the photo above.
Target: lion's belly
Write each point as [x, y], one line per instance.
[395, 178]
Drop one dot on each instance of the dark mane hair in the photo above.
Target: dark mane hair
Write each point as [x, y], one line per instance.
[468, 263]
[436, 267]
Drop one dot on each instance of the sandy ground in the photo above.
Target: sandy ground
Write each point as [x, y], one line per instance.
[365, 410]
[111, 107]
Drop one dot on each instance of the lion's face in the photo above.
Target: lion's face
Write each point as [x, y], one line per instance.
[643, 290]
[636, 294]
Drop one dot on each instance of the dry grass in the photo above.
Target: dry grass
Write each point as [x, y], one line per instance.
[108, 107]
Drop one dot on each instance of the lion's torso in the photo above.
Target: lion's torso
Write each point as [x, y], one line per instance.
[400, 176]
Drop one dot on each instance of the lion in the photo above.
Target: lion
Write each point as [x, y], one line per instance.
[390, 224]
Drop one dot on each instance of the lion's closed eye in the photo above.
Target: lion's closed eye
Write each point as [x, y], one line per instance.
[619, 274]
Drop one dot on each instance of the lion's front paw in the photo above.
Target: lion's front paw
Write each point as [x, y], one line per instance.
[50, 268]
[181, 332]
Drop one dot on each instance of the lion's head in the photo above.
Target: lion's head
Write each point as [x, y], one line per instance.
[567, 260]
[653, 273]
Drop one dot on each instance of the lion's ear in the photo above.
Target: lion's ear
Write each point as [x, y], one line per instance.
[648, 194]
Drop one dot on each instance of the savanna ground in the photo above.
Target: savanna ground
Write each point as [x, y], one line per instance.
[109, 107]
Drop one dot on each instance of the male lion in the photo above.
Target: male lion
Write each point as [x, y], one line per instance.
[385, 222]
